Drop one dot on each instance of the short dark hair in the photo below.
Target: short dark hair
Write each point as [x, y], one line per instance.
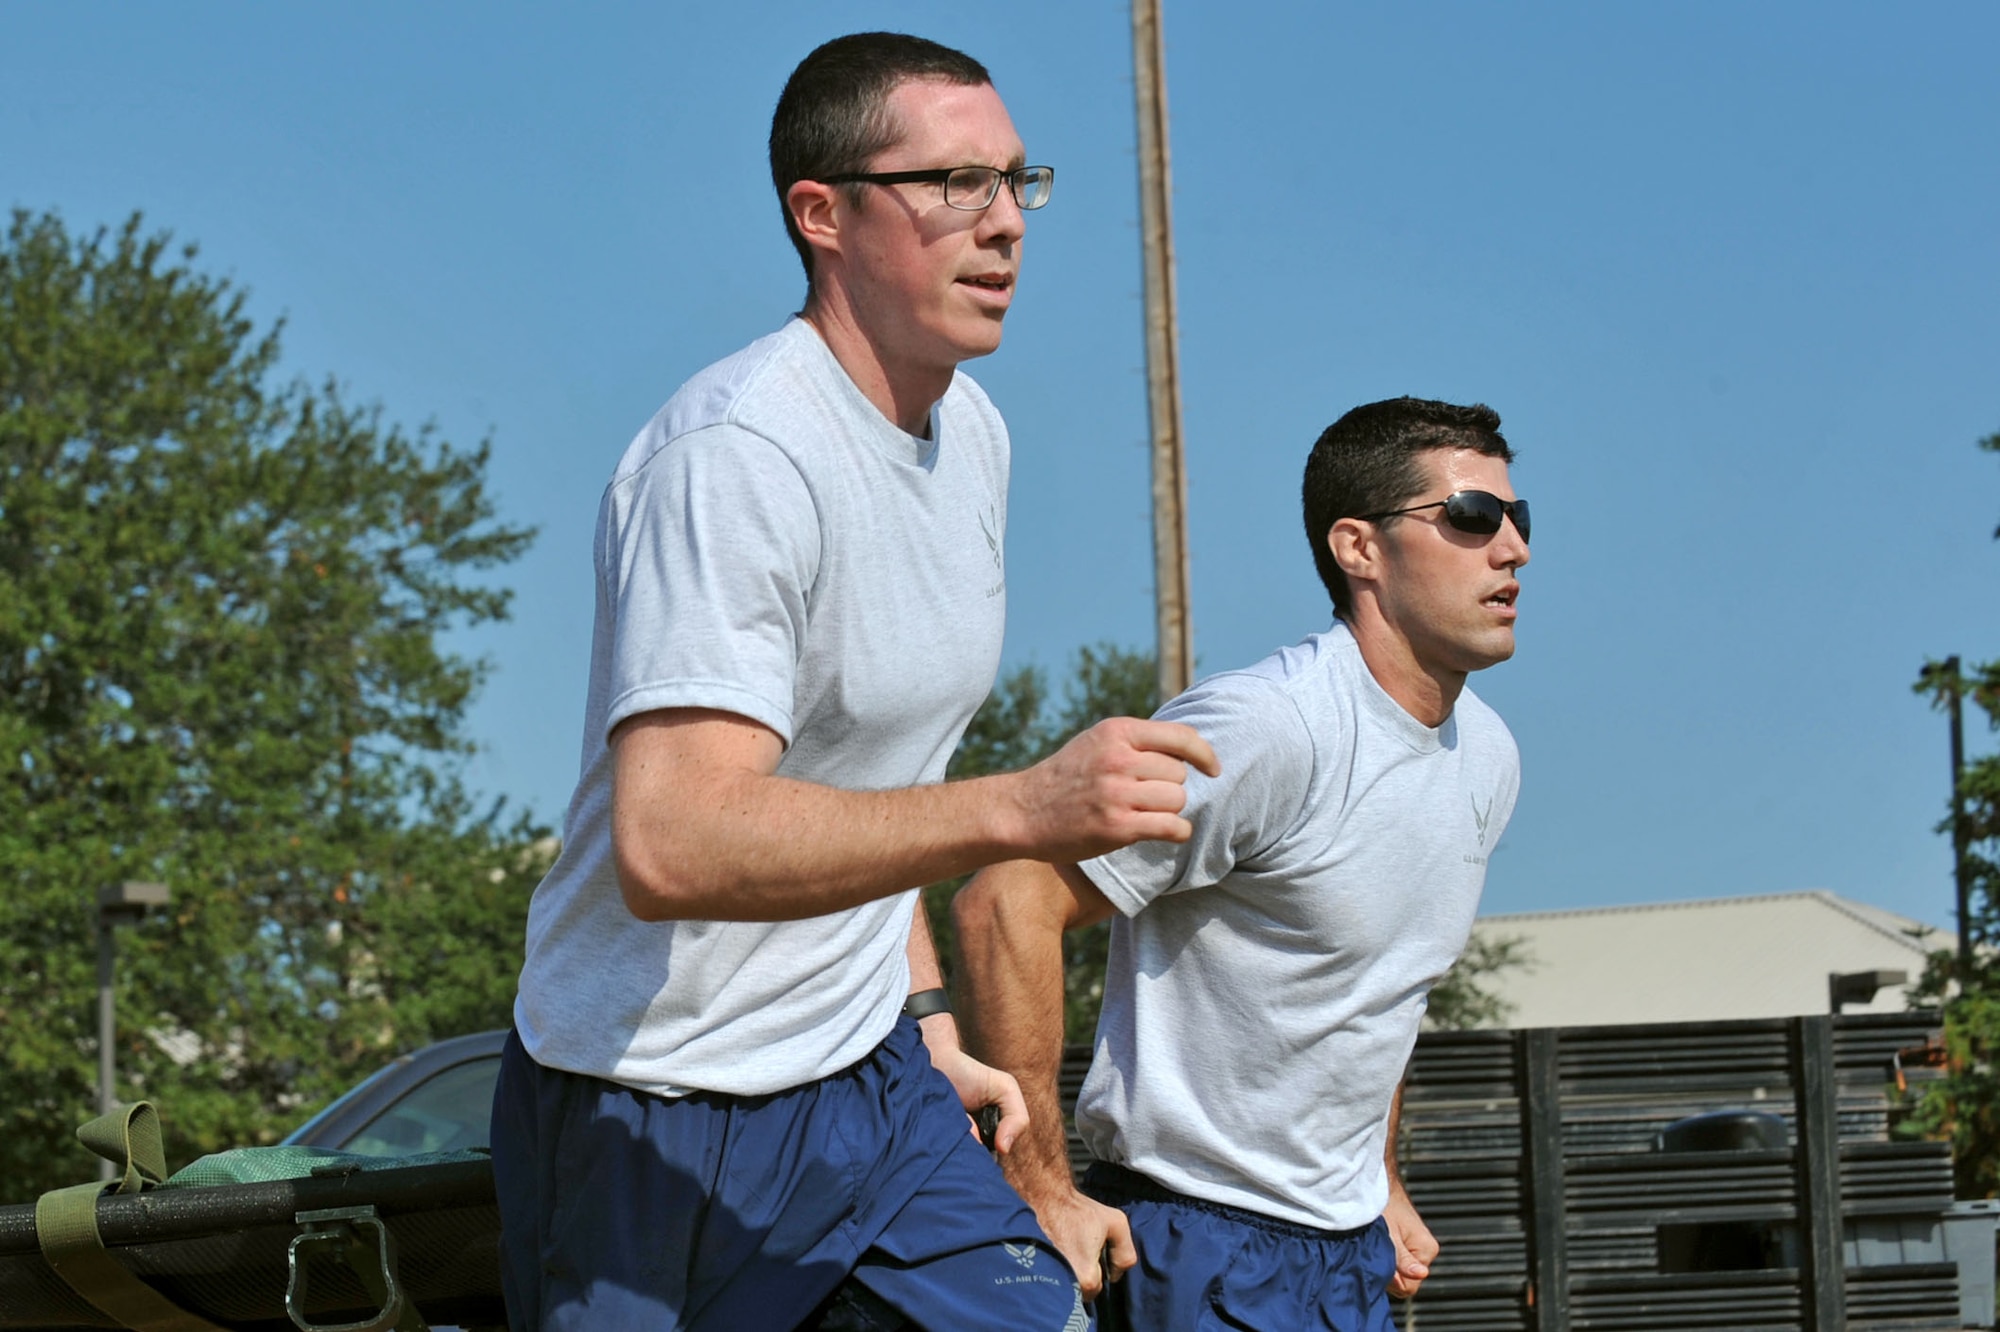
[833, 117]
[1366, 462]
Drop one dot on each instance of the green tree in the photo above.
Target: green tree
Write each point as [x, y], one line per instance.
[1964, 1105]
[1019, 725]
[221, 601]
[1461, 1000]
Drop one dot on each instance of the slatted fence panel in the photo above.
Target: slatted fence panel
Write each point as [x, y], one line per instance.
[1468, 1126]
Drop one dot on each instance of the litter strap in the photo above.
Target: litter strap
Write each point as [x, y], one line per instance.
[66, 1226]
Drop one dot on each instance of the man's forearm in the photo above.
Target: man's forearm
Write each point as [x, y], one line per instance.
[1010, 923]
[770, 848]
[1011, 920]
[921, 951]
[1416, 1247]
[1395, 1127]
[940, 1029]
[704, 828]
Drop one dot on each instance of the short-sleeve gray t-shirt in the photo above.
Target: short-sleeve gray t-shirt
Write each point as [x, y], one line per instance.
[772, 546]
[1267, 978]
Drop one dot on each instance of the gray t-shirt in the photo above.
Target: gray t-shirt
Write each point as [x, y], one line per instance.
[772, 546]
[1267, 977]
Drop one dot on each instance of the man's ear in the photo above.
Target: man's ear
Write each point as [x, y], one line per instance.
[1357, 548]
[815, 210]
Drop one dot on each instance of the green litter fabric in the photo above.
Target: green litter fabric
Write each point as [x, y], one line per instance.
[263, 1165]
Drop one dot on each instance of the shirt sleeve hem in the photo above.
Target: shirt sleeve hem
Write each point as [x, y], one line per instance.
[1117, 891]
[719, 695]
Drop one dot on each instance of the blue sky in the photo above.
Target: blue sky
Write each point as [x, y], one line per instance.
[1728, 272]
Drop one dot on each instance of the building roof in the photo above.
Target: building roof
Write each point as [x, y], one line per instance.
[1716, 959]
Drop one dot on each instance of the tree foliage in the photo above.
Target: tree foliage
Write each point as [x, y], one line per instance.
[1020, 724]
[221, 599]
[1965, 1104]
[1461, 1001]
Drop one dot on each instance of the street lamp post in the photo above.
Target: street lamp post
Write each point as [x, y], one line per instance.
[118, 904]
[1959, 870]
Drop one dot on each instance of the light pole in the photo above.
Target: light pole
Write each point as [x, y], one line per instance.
[1959, 878]
[118, 904]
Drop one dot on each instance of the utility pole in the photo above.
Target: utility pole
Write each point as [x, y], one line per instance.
[1163, 384]
[1958, 829]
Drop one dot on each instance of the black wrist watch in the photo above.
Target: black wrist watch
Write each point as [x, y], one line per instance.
[926, 1003]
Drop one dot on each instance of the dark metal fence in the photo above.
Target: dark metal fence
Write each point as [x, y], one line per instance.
[1536, 1158]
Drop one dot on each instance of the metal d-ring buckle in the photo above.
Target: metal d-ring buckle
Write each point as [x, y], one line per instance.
[377, 1268]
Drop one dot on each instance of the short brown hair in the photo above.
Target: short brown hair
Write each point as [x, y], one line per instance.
[832, 117]
[1366, 462]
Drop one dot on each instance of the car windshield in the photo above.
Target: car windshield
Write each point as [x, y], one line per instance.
[448, 1113]
[304, 1132]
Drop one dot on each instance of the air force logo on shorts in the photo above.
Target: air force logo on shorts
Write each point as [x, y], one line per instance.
[1028, 1258]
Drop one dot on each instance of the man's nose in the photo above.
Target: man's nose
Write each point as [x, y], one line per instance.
[1003, 218]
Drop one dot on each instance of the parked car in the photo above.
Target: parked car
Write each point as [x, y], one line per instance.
[437, 1099]
[237, 1252]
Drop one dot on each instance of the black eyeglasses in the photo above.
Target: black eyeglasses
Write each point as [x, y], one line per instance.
[1473, 511]
[970, 188]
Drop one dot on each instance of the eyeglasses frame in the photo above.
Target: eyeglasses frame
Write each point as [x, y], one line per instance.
[940, 175]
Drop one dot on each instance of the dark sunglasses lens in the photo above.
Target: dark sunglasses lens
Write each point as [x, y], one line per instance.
[1474, 511]
[1481, 514]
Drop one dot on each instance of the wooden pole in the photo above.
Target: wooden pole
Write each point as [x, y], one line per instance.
[1163, 390]
[1816, 1109]
[1548, 1217]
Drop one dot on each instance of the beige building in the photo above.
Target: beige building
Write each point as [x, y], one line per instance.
[1732, 957]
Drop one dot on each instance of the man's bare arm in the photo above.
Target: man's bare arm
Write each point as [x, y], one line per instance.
[976, 1084]
[705, 829]
[921, 952]
[1010, 922]
[1416, 1247]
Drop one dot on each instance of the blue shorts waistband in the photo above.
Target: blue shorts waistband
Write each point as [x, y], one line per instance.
[1112, 1184]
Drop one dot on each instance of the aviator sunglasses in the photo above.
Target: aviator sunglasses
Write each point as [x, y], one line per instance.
[1473, 511]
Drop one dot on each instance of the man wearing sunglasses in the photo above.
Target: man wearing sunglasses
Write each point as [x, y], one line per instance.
[734, 1099]
[1267, 977]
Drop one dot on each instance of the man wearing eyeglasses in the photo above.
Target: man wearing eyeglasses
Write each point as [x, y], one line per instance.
[734, 1098]
[1267, 976]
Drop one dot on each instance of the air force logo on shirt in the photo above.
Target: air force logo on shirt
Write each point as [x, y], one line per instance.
[989, 526]
[1480, 819]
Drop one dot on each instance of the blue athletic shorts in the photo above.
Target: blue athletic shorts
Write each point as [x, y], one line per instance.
[1206, 1266]
[857, 1202]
